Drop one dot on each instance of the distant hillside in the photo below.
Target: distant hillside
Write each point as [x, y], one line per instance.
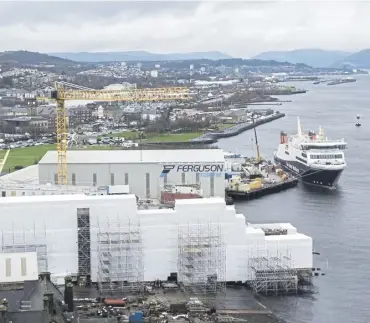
[31, 58]
[230, 62]
[138, 56]
[311, 57]
[359, 59]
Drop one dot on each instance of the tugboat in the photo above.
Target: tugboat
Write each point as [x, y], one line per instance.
[358, 124]
[314, 158]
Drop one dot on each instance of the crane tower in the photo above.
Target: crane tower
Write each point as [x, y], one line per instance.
[65, 91]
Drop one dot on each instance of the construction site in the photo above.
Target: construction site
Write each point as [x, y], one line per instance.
[101, 257]
[113, 250]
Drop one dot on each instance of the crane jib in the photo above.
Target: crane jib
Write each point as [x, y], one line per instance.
[64, 91]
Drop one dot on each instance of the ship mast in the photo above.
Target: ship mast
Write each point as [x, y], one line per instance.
[299, 126]
[255, 137]
[321, 133]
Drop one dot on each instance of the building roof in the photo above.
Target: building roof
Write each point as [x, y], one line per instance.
[137, 156]
[67, 198]
[27, 175]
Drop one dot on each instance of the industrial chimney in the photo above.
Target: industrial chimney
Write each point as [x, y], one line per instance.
[68, 297]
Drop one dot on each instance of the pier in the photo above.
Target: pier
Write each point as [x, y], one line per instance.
[237, 129]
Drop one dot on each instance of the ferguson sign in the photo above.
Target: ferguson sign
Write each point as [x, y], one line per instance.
[186, 168]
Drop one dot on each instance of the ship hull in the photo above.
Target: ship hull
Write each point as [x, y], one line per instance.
[319, 177]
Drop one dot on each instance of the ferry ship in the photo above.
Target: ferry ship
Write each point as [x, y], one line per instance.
[314, 158]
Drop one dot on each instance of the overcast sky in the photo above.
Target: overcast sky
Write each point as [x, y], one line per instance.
[239, 28]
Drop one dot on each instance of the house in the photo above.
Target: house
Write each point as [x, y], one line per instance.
[49, 113]
[37, 124]
[79, 115]
[150, 115]
[14, 112]
[235, 115]
[98, 112]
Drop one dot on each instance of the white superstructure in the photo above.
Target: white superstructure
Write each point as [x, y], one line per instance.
[65, 231]
[315, 158]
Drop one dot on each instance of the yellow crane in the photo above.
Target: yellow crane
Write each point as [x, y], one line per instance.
[65, 91]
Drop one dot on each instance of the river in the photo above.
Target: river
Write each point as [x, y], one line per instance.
[338, 221]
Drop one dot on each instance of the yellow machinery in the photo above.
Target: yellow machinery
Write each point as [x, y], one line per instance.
[66, 91]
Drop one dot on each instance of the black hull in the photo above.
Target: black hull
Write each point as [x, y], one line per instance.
[325, 178]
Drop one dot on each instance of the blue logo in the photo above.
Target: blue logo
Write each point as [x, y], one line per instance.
[166, 170]
[203, 170]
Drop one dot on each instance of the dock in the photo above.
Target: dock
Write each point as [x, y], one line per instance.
[233, 305]
[266, 190]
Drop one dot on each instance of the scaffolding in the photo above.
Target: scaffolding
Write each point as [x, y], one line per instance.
[83, 242]
[120, 259]
[202, 259]
[273, 274]
[27, 241]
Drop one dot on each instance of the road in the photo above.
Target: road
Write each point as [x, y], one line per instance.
[3, 161]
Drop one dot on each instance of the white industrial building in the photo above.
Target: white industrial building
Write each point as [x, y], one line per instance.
[146, 172]
[71, 232]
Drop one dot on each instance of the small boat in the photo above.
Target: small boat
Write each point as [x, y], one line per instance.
[358, 124]
[316, 82]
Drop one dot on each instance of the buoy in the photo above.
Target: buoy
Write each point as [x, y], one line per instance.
[358, 124]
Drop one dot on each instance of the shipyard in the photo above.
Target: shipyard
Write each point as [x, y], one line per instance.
[116, 212]
[183, 163]
[145, 231]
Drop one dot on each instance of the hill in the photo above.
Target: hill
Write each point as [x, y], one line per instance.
[90, 57]
[311, 57]
[359, 59]
[31, 58]
[251, 64]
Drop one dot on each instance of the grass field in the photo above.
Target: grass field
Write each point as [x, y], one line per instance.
[223, 126]
[134, 135]
[174, 137]
[25, 156]
[2, 153]
[31, 155]
[128, 135]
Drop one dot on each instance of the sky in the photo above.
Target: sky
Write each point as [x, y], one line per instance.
[238, 28]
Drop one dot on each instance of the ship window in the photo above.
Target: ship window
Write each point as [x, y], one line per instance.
[301, 159]
[287, 153]
[304, 155]
[324, 147]
[334, 156]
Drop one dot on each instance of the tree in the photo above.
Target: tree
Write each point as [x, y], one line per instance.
[6, 81]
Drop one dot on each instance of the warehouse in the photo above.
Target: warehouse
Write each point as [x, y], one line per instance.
[71, 232]
[147, 172]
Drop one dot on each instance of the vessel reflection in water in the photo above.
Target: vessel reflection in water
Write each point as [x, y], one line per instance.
[316, 159]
